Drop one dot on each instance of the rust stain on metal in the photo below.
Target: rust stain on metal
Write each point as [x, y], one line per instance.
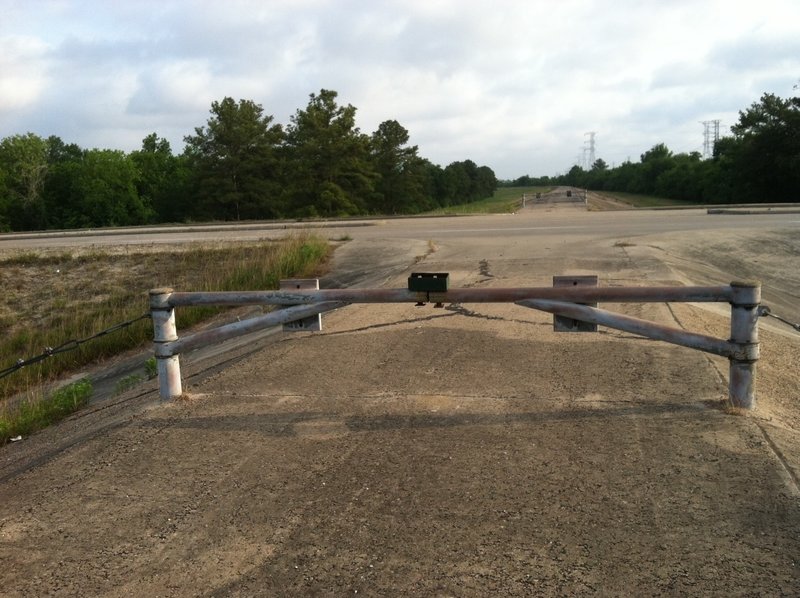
[490, 295]
[564, 324]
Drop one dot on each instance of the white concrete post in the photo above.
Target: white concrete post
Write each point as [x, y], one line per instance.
[165, 331]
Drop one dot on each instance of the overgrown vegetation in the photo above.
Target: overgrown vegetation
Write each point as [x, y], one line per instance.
[36, 413]
[50, 299]
[504, 201]
[759, 163]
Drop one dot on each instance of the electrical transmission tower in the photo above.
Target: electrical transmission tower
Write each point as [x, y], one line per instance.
[710, 136]
[589, 147]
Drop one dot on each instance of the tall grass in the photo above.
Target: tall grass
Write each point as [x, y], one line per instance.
[56, 298]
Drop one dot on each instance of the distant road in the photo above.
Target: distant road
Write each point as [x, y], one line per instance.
[558, 221]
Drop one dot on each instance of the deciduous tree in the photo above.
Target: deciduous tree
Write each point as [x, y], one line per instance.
[103, 191]
[766, 152]
[23, 164]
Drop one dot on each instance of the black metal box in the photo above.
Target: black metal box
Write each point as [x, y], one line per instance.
[430, 282]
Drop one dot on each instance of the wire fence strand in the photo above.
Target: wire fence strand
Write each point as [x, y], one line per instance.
[69, 345]
[765, 311]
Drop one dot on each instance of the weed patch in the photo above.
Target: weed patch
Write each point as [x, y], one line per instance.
[34, 414]
[127, 383]
[150, 368]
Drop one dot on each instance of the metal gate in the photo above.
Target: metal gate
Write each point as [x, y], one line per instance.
[572, 299]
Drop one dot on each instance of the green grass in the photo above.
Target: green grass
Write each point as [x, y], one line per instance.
[505, 200]
[150, 368]
[127, 383]
[643, 201]
[37, 413]
[53, 299]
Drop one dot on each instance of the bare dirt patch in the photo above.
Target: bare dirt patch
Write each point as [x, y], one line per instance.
[599, 202]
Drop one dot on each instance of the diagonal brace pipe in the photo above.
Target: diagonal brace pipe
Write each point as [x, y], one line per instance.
[646, 328]
[229, 331]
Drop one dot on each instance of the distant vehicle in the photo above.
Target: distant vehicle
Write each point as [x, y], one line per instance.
[569, 193]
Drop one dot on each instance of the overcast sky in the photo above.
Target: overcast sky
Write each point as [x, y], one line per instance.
[511, 84]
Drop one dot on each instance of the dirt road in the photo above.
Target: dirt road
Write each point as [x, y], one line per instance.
[463, 451]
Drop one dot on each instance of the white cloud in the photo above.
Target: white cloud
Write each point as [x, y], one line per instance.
[513, 84]
[173, 88]
[23, 67]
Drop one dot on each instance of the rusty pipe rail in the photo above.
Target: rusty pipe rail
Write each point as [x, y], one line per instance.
[713, 294]
[741, 348]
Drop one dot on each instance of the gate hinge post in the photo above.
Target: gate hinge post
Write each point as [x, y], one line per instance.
[745, 312]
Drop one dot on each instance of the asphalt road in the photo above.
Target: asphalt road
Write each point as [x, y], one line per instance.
[540, 221]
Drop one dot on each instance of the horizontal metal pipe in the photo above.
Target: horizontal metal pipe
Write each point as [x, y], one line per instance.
[223, 333]
[644, 328]
[295, 297]
[477, 295]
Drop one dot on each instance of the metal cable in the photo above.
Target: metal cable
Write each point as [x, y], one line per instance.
[69, 345]
[765, 311]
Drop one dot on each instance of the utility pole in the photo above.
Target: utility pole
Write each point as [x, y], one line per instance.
[710, 136]
[589, 146]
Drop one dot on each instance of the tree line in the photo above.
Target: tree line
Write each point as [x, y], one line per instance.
[759, 162]
[239, 165]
